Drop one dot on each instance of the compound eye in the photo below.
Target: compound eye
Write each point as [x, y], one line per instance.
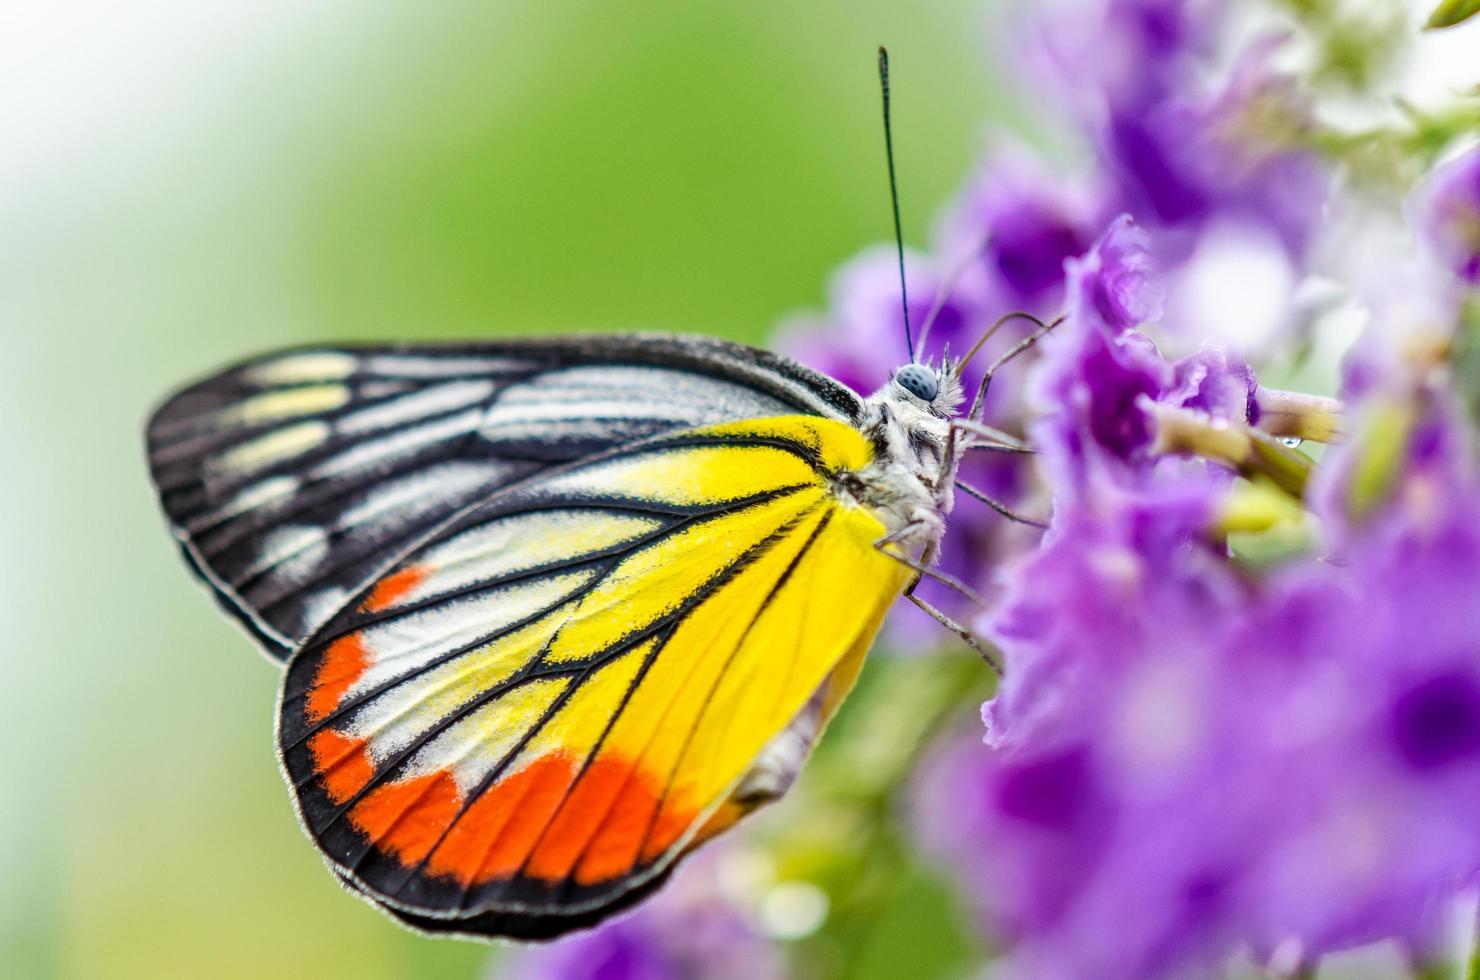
[918, 380]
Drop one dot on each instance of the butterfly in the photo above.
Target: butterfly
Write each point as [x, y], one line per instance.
[553, 612]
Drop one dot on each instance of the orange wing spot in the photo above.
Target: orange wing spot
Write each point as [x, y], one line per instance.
[395, 586]
[342, 763]
[613, 850]
[672, 821]
[407, 818]
[461, 854]
[589, 810]
[344, 661]
[495, 835]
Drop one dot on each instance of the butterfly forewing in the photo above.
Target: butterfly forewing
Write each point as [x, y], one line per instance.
[526, 719]
[293, 480]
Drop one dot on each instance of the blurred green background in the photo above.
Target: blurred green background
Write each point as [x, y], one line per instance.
[180, 187]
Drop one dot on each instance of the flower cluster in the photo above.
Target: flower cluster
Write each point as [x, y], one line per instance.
[1219, 177]
[1195, 759]
[1188, 761]
[691, 929]
[1450, 215]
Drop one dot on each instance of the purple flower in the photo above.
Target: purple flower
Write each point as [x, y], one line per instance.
[1025, 223]
[1449, 214]
[1214, 382]
[1188, 761]
[621, 950]
[1180, 158]
[1105, 842]
[1384, 644]
[1193, 758]
[1183, 766]
[1131, 568]
[685, 932]
[1097, 370]
[1181, 165]
[1125, 53]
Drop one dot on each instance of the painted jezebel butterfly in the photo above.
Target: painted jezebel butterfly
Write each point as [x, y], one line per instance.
[552, 612]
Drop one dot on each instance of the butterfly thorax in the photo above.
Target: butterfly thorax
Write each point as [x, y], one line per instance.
[910, 483]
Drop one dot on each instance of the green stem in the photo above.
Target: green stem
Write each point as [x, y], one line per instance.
[1300, 416]
[1252, 452]
[913, 701]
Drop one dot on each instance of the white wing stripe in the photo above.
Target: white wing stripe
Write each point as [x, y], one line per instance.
[443, 366]
[394, 718]
[523, 413]
[293, 550]
[419, 405]
[413, 493]
[399, 443]
[515, 544]
[302, 367]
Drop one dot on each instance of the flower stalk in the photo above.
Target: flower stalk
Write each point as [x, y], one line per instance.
[1253, 453]
[1377, 465]
[1257, 507]
[1293, 414]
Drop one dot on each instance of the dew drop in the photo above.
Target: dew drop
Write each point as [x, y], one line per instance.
[1291, 441]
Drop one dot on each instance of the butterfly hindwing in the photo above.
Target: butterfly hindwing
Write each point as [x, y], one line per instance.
[293, 480]
[527, 719]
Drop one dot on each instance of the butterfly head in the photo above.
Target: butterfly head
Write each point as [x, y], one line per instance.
[909, 423]
[919, 381]
[935, 389]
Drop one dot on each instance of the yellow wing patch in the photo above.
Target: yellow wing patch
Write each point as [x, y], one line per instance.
[698, 475]
[528, 720]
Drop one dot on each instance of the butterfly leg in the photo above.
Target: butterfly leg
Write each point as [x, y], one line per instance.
[978, 404]
[992, 447]
[1000, 508]
[923, 570]
[995, 438]
[967, 636]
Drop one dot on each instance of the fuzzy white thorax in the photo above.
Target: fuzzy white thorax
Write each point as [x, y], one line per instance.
[910, 484]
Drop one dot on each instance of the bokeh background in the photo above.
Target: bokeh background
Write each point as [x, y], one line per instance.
[180, 186]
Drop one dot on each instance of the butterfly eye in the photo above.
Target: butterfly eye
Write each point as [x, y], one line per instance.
[918, 380]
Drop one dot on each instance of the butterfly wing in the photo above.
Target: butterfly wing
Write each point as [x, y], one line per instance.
[522, 725]
[292, 480]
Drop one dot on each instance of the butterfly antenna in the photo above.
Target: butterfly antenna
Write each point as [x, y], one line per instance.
[904, 302]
